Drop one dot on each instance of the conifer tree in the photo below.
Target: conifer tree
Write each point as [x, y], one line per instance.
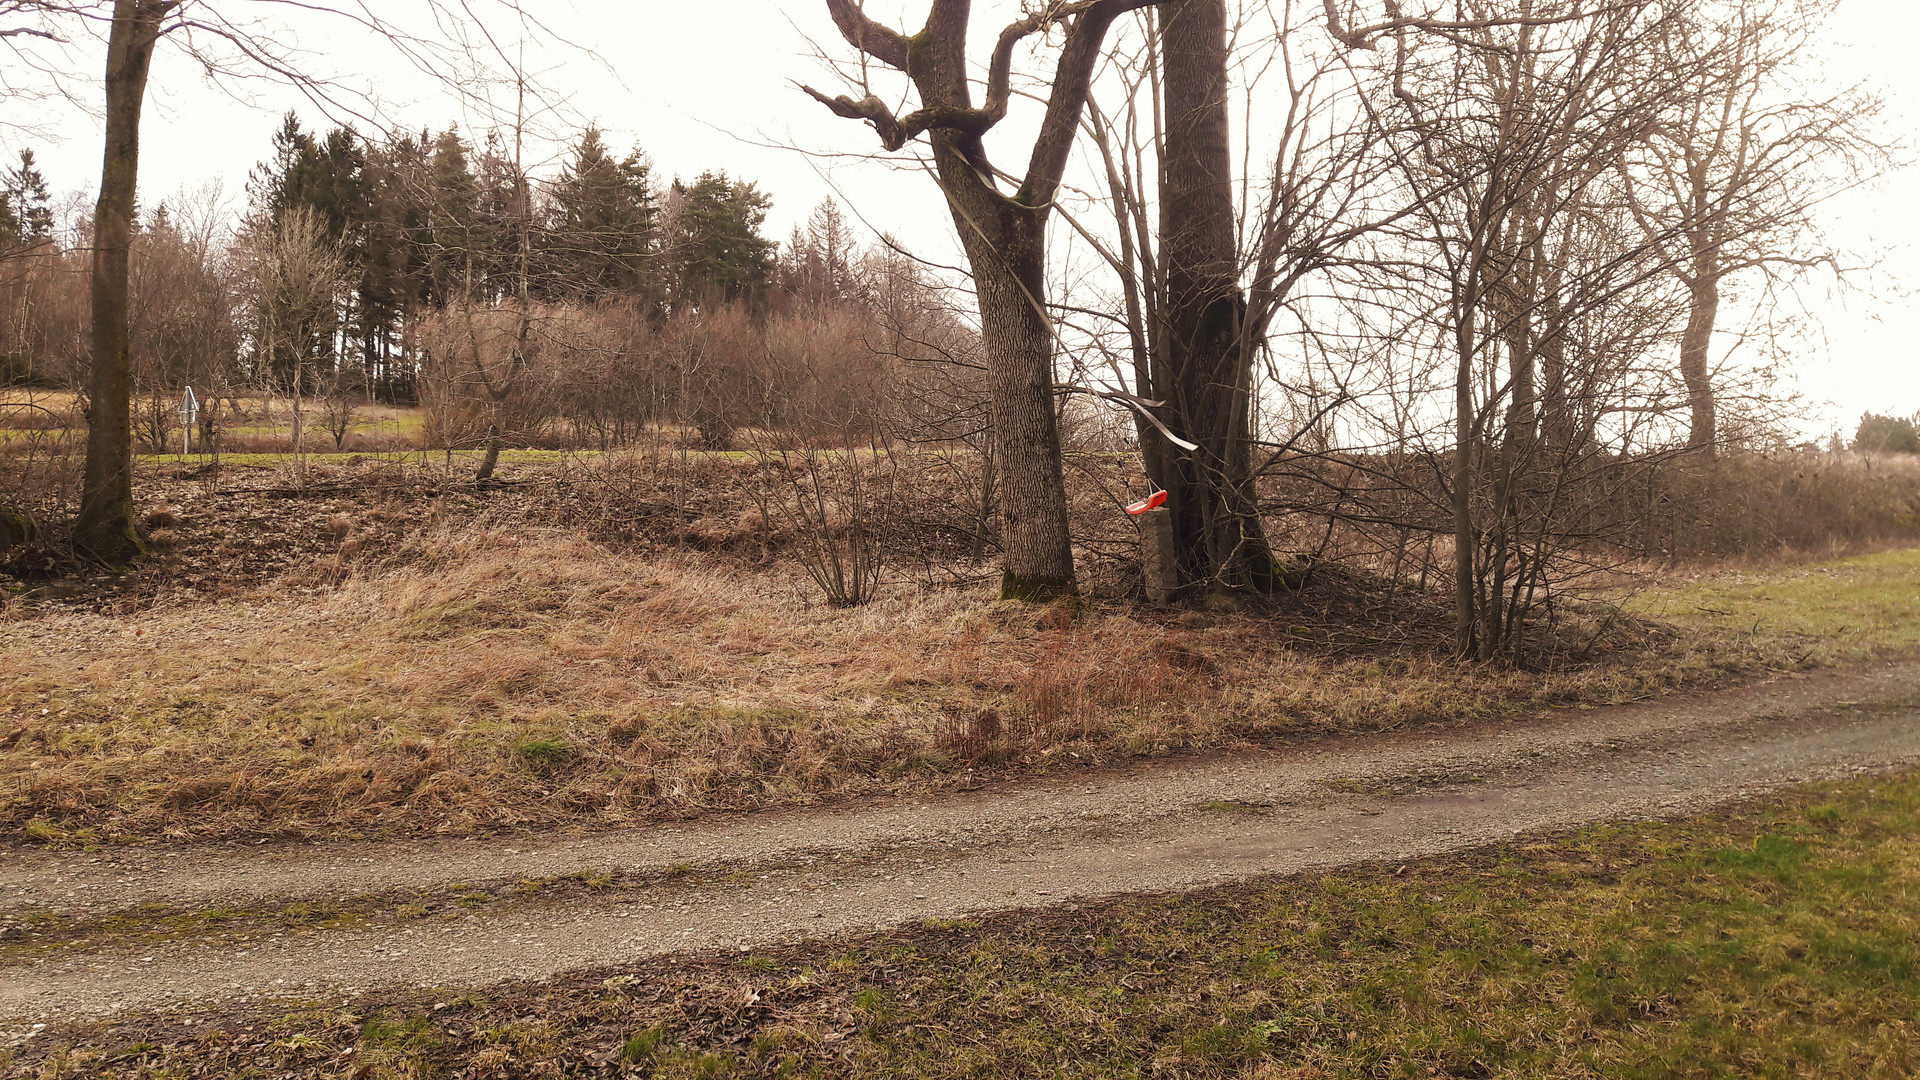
[26, 199]
[717, 251]
[605, 211]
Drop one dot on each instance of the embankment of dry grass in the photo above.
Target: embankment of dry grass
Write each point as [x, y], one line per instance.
[491, 678]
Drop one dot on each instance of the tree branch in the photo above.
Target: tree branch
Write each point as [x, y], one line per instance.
[1072, 80]
[897, 132]
[885, 45]
[1364, 37]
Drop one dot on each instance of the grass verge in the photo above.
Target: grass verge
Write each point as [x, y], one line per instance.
[1777, 940]
[505, 678]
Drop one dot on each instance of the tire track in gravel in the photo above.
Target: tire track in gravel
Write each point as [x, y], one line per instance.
[773, 877]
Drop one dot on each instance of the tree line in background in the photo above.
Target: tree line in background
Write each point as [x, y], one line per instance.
[394, 272]
[420, 223]
[1887, 434]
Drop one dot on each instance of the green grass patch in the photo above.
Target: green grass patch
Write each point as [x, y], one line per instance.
[544, 751]
[1828, 612]
[32, 934]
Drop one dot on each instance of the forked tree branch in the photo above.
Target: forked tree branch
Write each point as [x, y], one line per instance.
[896, 132]
[1087, 20]
[883, 44]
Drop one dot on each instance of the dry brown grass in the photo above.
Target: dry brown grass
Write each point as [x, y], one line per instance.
[494, 678]
[622, 639]
[28, 409]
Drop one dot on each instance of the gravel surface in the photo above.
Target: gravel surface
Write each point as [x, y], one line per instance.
[741, 880]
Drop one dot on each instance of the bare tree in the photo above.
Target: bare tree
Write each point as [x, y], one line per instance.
[1238, 231]
[940, 401]
[297, 269]
[225, 40]
[106, 529]
[1506, 130]
[479, 360]
[185, 330]
[1730, 179]
[501, 381]
[1203, 373]
[341, 395]
[1004, 235]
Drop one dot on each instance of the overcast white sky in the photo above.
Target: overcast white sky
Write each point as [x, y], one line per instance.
[711, 86]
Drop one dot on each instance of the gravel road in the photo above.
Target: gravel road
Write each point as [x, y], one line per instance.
[745, 879]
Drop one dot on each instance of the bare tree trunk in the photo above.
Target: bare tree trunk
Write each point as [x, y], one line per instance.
[1556, 419]
[491, 459]
[983, 518]
[523, 291]
[1465, 536]
[106, 529]
[1004, 236]
[1203, 370]
[1703, 310]
[1005, 242]
[1009, 275]
[299, 419]
[1514, 301]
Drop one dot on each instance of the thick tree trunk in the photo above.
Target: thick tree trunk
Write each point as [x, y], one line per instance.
[1201, 367]
[1009, 277]
[1005, 242]
[1004, 236]
[106, 529]
[1704, 309]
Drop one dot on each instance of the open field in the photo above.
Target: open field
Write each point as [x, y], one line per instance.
[1775, 940]
[1824, 612]
[460, 460]
[403, 663]
[264, 425]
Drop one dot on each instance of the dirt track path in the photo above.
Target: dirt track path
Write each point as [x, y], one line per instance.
[743, 880]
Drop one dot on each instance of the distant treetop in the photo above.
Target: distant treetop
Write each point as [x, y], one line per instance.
[1886, 435]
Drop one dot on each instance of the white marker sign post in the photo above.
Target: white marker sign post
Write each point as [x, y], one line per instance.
[189, 416]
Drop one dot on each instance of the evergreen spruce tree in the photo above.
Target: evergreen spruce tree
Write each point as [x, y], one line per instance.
[602, 235]
[717, 251]
[26, 200]
[817, 270]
